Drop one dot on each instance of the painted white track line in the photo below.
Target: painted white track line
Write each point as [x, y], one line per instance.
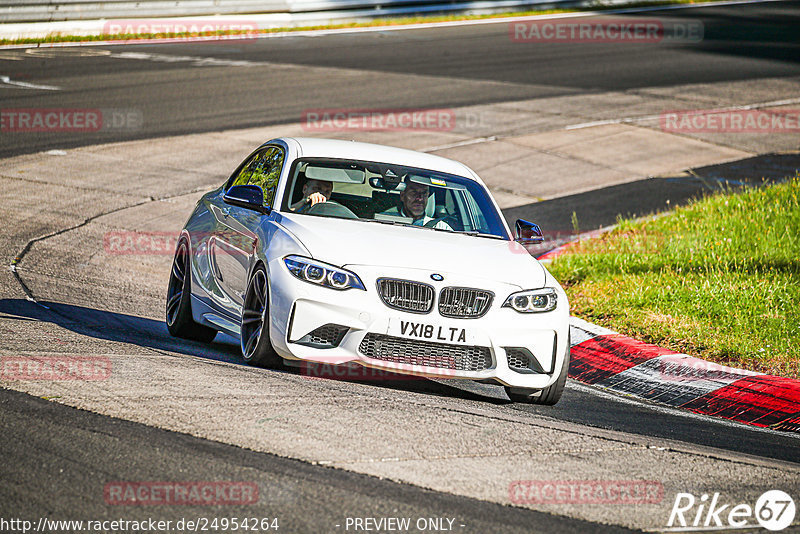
[642, 118]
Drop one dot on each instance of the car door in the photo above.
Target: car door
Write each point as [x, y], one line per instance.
[234, 240]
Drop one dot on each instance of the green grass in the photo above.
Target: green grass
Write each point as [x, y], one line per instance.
[718, 279]
[389, 21]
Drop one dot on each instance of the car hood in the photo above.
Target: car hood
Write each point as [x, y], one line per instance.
[345, 242]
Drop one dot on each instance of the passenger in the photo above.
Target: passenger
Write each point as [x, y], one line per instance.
[314, 192]
[413, 200]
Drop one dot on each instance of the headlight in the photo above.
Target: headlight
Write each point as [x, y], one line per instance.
[322, 274]
[532, 300]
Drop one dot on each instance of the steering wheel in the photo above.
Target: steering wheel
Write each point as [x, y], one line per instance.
[451, 221]
[331, 208]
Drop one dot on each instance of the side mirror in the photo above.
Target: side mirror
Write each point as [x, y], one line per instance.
[528, 232]
[246, 196]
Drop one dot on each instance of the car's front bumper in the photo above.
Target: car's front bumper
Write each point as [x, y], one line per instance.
[372, 331]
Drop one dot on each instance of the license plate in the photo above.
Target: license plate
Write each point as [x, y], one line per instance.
[429, 332]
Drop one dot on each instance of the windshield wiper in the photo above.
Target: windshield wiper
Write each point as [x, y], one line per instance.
[407, 225]
[480, 234]
[393, 223]
[467, 232]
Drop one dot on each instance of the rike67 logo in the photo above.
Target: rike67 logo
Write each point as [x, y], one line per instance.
[774, 510]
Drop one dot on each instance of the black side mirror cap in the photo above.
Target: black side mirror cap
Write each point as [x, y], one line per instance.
[246, 196]
[528, 232]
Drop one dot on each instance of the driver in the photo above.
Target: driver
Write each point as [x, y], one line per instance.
[314, 192]
[413, 200]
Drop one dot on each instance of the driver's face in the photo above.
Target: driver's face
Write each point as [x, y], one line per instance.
[415, 197]
[318, 186]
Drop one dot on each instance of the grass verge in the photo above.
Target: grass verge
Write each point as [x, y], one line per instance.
[388, 21]
[718, 279]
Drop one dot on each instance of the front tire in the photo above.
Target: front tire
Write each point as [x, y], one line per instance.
[548, 396]
[256, 347]
[179, 303]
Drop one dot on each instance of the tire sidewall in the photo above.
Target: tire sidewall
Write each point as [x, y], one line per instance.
[264, 353]
[184, 311]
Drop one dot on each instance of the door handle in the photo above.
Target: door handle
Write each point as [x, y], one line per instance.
[225, 212]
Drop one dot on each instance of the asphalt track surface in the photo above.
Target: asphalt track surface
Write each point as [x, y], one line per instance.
[54, 454]
[458, 66]
[305, 498]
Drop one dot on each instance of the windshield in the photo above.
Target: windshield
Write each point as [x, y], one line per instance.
[391, 194]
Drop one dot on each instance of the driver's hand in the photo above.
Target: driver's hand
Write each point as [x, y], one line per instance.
[315, 198]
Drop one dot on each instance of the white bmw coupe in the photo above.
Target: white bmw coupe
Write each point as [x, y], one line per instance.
[335, 252]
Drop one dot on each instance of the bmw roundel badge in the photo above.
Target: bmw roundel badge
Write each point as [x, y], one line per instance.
[437, 277]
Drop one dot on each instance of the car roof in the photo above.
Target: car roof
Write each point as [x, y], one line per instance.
[335, 148]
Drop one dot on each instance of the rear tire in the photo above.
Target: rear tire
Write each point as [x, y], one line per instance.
[179, 302]
[548, 396]
[256, 346]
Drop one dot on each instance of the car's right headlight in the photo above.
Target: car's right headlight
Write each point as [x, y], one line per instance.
[532, 300]
[322, 274]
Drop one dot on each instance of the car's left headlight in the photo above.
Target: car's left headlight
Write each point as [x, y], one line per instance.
[322, 274]
[532, 300]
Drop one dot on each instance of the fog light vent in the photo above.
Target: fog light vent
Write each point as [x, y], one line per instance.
[324, 337]
[521, 360]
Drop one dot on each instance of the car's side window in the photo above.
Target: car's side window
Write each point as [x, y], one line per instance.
[263, 170]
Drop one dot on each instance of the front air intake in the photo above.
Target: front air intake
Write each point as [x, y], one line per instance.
[406, 295]
[324, 337]
[464, 302]
[521, 360]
